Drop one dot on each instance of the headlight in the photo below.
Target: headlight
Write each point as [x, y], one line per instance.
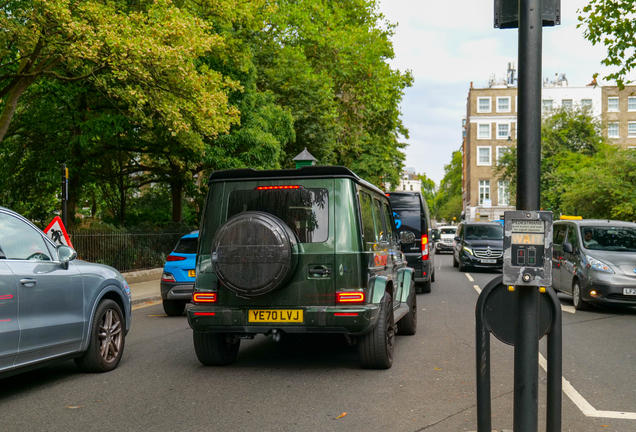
[598, 265]
[469, 250]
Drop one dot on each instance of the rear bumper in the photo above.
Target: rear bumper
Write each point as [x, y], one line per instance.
[177, 290]
[322, 319]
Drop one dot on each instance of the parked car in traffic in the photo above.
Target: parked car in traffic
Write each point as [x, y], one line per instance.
[478, 245]
[309, 250]
[411, 214]
[595, 261]
[177, 280]
[446, 239]
[55, 307]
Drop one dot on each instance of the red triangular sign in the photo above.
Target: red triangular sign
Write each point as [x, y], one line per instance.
[56, 232]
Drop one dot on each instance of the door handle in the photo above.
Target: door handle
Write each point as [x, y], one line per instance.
[320, 271]
[28, 282]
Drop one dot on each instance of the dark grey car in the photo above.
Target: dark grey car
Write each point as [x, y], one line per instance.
[595, 261]
[54, 307]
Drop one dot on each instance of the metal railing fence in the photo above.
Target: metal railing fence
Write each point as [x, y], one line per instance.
[124, 250]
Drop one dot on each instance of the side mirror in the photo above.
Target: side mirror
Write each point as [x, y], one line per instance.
[407, 237]
[457, 238]
[567, 247]
[66, 254]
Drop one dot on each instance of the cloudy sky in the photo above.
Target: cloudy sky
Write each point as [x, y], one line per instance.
[447, 44]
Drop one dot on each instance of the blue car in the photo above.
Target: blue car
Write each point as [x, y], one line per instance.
[177, 281]
[54, 307]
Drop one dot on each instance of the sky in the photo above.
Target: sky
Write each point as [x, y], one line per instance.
[447, 44]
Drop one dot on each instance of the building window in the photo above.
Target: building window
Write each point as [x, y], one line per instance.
[612, 104]
[566, 103]
[586, 103]
[631, 130]
[503, 104]
[501, 152]
[484, 191]
[503, 131]
[464, 133]
[483, 105]
[631, 104]
[484, 131]
[612, 130]
[503, 193]
[483, 156]
[547, 104]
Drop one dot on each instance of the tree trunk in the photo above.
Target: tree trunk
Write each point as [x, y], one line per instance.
[12, 104]
[177, 202]
[74, 184]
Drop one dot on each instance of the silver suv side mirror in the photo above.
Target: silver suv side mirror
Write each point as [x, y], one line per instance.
[407, 237]
[66, 254]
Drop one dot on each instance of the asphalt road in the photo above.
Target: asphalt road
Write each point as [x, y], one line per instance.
[316, 384]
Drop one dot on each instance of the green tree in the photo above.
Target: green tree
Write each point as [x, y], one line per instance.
[571, 141]
[612, 23]
[429, 192]
[449, 201]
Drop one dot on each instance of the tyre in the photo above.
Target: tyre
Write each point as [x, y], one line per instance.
[107, 339]
[425, 287]
[433, 276]
[174, 307]
[577, 299]
[375, 349]
[254, 253]
[215, 349]
[408, 324]
[462, 267]
[455, 263]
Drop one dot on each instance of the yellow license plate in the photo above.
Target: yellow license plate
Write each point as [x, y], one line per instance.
[192, 273]
[277, 316]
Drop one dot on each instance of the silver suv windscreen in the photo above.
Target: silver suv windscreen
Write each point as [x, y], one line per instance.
[448, 230]
[607, 238]
[305, 211]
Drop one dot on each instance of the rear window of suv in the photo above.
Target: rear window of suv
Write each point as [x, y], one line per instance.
[305, 211]
[187, 246]
[404, 200]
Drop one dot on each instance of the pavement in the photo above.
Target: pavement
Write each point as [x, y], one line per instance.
[143, 292]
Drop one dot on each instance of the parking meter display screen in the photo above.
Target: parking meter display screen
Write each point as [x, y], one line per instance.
[528, 243]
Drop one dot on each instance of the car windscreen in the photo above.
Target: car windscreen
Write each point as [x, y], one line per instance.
[408, 220]
[448, 230]
[484, 232]
[405, 200]
[305, 211]
[186, 246]
[618, 239]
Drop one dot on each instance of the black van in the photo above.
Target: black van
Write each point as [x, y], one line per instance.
[411, 214]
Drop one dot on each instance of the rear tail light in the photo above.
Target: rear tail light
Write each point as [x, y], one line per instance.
[344, 314]
[350, 297]
[167, 277]
[277, 187]
[175, 258]
[425, 247]
[204, 298]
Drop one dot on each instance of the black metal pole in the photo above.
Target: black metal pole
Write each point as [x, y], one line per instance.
[526, 358]
[64, 193]
[555, 366]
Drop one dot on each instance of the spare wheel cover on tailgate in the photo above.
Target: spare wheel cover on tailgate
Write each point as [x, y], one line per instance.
[254, 253]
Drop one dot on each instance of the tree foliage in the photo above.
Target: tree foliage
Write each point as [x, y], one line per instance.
[449, 201]
[612, 23]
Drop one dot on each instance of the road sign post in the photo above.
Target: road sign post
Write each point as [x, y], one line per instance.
[523, 270]
[64, 192]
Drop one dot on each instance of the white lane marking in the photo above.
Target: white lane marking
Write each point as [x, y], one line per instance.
[477, 288]
[586, 408]
[568, 309]
[470, 278]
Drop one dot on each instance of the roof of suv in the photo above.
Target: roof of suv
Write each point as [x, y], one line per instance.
[598, 222]
[329, 171]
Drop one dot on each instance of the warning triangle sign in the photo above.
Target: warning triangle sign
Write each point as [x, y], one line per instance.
[56, 232]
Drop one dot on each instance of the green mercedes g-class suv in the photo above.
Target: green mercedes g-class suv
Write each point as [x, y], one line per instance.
[309, 250]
